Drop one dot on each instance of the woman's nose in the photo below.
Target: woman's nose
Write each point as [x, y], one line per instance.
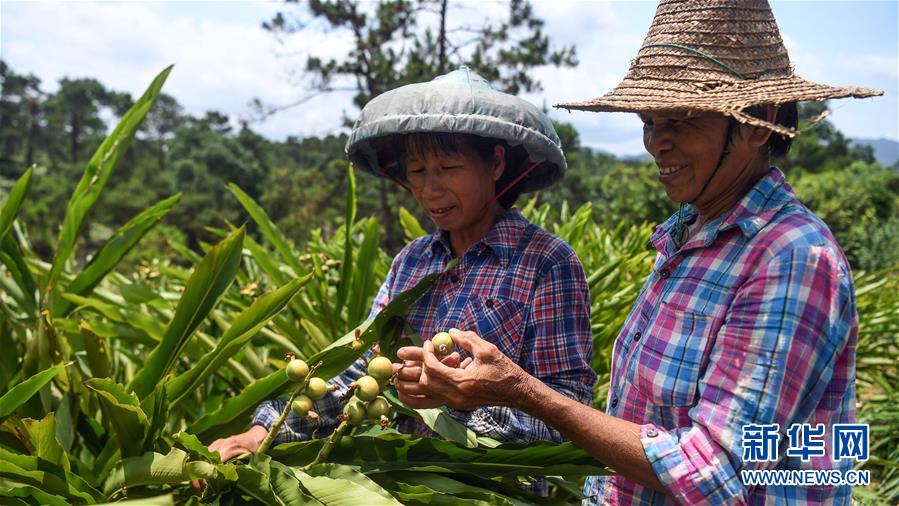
[658, 139]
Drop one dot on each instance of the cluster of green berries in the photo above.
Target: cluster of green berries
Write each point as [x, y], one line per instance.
[367, 404]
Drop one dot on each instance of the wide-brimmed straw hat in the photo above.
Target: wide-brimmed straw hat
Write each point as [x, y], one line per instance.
[460, 102]
[713, 55]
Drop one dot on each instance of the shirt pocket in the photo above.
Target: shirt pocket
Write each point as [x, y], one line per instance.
[495, 320]
[672, 357]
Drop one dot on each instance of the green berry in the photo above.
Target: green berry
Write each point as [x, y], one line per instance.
[377, 408]
[316, 389]
[355, 411]
[302, 405]
[367, 388]
[297, 370]
[380, 368]
[443, 344]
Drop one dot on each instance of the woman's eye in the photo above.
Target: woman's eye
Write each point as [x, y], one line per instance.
[415, 171]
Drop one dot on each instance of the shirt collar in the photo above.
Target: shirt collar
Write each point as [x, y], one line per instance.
[501, 239]
[755, 210]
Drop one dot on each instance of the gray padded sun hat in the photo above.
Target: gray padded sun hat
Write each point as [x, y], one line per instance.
[460, 102]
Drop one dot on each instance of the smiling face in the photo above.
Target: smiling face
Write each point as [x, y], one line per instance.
[687, 147]
[453, 186]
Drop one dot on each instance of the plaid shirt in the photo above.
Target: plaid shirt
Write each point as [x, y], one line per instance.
[752, 321]
[520, 288]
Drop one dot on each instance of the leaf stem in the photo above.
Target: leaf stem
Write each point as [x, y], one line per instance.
[267, 442]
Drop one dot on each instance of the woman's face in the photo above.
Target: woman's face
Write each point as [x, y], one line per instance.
[453, 188]
[686, 148]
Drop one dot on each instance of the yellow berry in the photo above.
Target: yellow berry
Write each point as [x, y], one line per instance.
[367, 388]
[297, 370]
[355, 411]
[443, 344]
[380, 368]
[377, 408]
[316, 389]
[302, 405]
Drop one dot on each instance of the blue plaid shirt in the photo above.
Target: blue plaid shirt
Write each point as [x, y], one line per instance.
[520, 288]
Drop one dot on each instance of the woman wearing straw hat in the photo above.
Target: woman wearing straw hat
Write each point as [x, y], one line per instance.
[747, 324]
[465, 152]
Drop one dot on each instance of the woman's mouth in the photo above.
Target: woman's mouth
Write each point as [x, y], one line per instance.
[439, 212]
[669, 170]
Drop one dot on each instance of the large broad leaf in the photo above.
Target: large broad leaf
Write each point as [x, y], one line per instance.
[45, 475]
[97, 173]
[335, 359]
[207, 283]
[438, 420]
[436, 489]
[242, 329]
[157, 469]
[16, 196]
[113, 250]
[275, 483]
[393, 451]
[122, 409]
[20, 393]
[337, 485]
[35, 496]
[160, 500]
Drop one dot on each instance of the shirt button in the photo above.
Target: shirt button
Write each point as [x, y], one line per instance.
[614, 402]
[489, 303]
[637, 336]
[652, 432]
[454, 278]
[664, 273]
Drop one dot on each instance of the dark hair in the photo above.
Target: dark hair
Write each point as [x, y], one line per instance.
[424, 143]
[788, 116]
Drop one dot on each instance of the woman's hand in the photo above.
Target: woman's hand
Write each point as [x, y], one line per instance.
[408, 375]
[487, 378]
[235, 446]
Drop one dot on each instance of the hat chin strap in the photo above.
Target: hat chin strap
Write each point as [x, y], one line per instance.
[510, 185]
[680, 228]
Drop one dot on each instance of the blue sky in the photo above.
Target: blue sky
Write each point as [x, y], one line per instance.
[224, 59]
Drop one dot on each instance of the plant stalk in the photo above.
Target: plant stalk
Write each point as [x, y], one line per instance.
[267, 442]
[329, 445]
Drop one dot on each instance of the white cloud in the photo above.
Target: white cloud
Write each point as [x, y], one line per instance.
[224, 59]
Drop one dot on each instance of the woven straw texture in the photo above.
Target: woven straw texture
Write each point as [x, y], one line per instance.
[713, 55]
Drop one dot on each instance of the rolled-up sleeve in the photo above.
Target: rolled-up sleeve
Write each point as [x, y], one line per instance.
[771, 363]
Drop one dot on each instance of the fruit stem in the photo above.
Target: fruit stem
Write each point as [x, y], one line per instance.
[267, 442]
[329, 445]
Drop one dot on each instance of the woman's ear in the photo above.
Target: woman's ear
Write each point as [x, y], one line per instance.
[499, 161]
[758, 136]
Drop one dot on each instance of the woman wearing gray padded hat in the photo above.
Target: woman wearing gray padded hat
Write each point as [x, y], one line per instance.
[465, 151]
[737, 362]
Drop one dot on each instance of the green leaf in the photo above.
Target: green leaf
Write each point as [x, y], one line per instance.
[16, 196]
[347, 268]
[97, 173]
[246, 325]
[438, 420]
[210, 279]
[403, 452]
[411, 226]
[364, 273]
[42, 435]
[39, 496]
[123, 412]
[192, 444]
[157, 469]
[337, 485]
[20, 393]
[113, 250]
[45, 475]
[269, 230]
[25, 288]
[271, 483]
[160, 500]
[98, 355]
